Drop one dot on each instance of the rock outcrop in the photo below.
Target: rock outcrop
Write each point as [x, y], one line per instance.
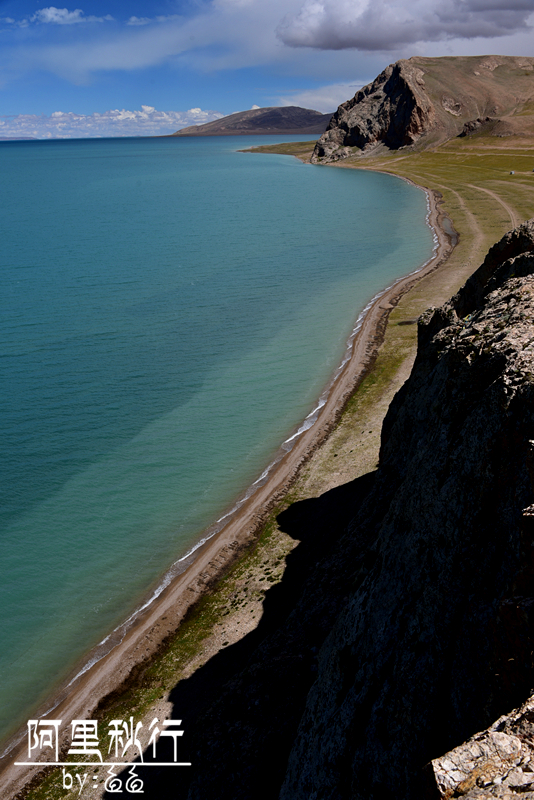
[394, 110]
[422, 102]
[476, 125]
[404, 624]
[497, 763]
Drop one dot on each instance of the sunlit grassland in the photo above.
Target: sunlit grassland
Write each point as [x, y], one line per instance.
[299, 149]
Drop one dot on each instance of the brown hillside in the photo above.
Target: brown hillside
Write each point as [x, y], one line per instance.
[423, 102]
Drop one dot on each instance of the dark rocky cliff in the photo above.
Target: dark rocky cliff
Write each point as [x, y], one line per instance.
[405, 620]
[436, 638]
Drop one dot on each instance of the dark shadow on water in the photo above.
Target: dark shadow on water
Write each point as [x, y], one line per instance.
[240, 711]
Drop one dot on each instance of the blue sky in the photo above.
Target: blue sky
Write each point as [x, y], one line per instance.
[117, 67]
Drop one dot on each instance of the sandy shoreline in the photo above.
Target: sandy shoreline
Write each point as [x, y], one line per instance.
[164, 614]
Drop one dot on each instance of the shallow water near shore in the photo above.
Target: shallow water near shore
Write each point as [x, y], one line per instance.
[171, 312]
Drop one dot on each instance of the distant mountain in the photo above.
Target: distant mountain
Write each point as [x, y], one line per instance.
[275, 120]
[423, 102]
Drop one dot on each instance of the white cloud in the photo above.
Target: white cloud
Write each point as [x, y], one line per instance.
[148, 20]
[232, 5]
[67, 125]
[324, 98]
[388, 24]
[139, 21]
[62, 16]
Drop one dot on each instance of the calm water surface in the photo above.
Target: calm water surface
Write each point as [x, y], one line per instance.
[171, 310]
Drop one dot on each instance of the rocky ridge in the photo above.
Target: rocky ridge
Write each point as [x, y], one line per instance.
[425, 101]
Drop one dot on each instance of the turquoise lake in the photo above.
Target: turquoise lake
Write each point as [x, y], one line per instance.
[171, 311]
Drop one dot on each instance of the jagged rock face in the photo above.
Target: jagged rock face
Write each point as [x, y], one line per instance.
[437, 636]
[394, 109]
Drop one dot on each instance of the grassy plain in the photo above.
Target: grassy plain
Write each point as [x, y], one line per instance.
[483, 200]
[302, 150]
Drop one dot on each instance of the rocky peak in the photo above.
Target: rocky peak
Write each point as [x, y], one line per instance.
[394, 110]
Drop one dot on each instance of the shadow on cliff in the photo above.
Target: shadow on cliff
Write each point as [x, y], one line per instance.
[233, 758]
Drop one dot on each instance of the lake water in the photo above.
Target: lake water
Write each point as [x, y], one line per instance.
[171, 311]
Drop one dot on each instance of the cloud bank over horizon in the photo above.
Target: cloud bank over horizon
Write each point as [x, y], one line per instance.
[114, 123]
[388, 24]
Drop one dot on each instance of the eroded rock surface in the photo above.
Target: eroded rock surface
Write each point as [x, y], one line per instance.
[498, 762]
[394, 110]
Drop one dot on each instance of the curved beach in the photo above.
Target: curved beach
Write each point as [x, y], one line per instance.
[78, 698]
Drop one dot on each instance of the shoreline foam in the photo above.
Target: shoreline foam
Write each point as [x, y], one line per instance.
[97, 675]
